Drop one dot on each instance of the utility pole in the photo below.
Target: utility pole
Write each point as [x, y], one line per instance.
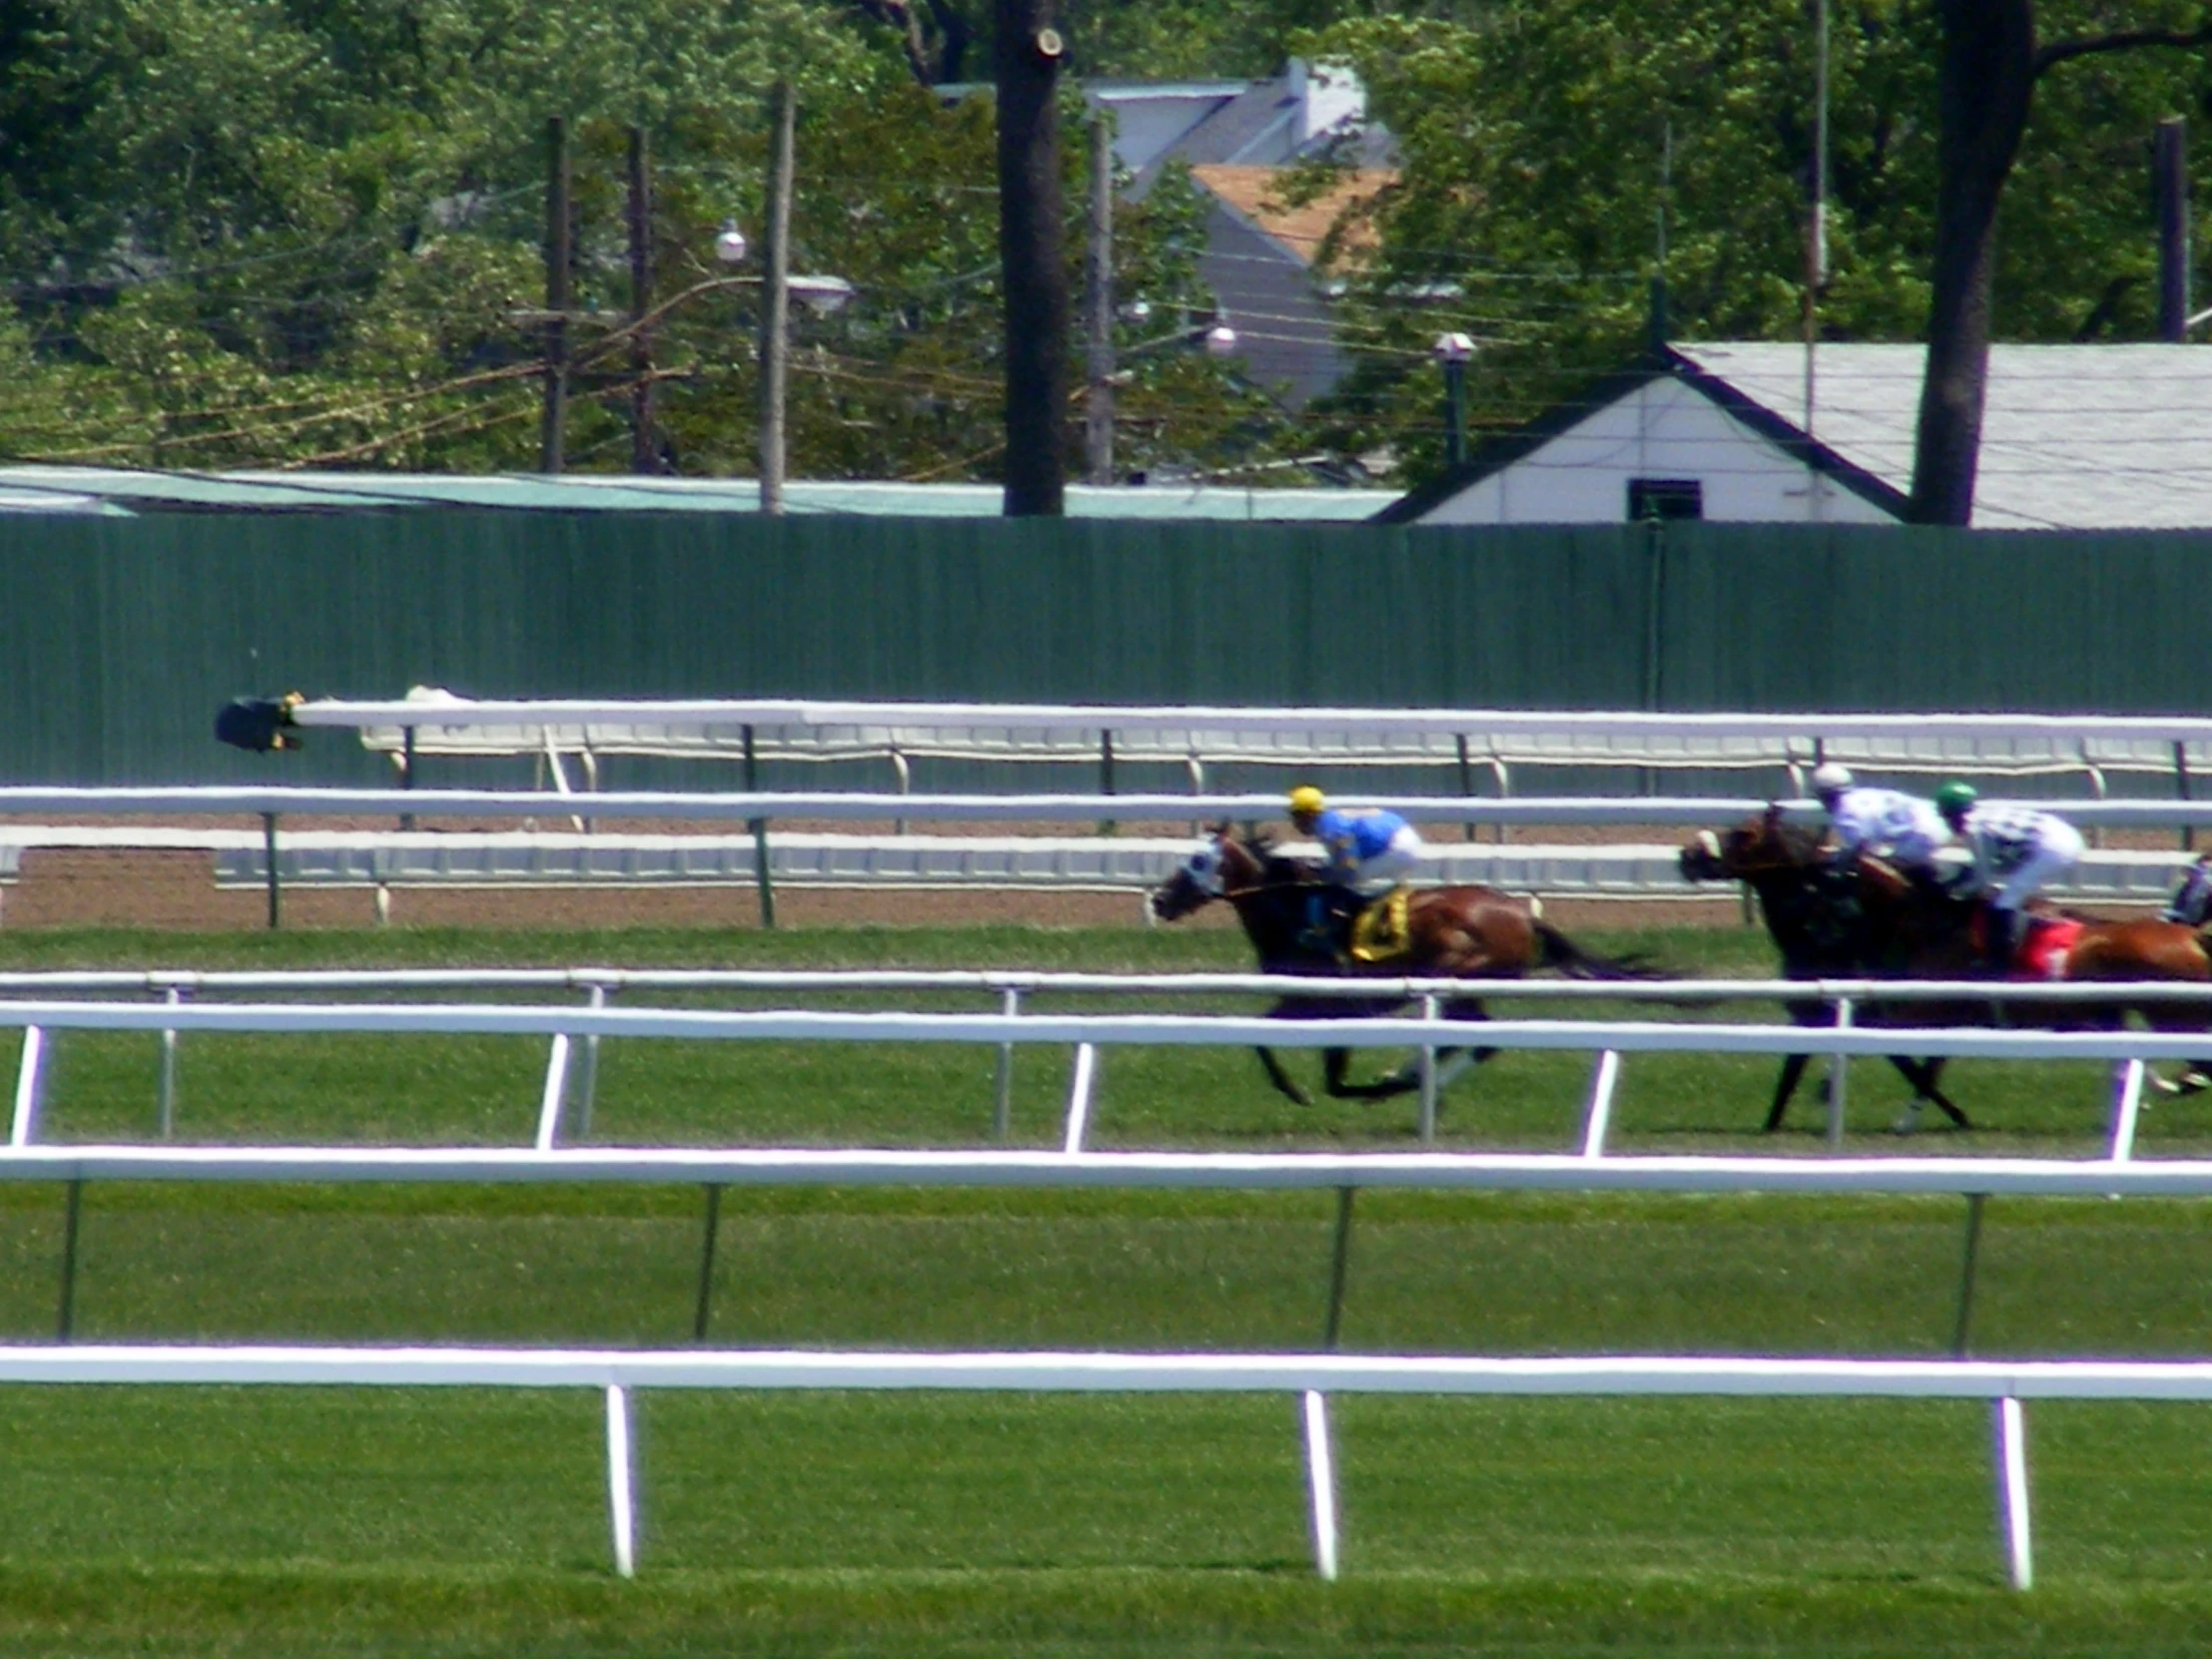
[644, 450]
[1098, 407]
[1027, 49]
[555, 416]
[2171, 189]
[776, 299]
[1815, 249]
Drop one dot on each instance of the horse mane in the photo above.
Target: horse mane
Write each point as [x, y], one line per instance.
[1799, 843]
[1275, 866]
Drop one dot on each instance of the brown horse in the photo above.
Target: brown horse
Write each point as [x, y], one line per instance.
[1451, 933]
[1870, 921]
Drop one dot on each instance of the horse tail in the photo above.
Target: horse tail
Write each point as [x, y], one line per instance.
[1556, 950]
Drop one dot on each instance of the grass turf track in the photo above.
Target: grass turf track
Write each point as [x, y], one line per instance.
[336, 1521]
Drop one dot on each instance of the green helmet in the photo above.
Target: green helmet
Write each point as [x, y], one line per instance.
[1955, 799]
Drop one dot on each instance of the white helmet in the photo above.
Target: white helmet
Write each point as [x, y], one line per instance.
[1831, 778]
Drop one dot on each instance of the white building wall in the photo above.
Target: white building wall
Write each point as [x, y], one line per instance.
[1663, 429]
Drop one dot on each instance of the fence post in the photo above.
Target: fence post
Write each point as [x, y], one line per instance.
[2127, 1103]
[29, 1080]
[587, 1070]
[1002, 1083]
[1962, 1330]
[1430, 1008]
[2181, 784]
[621, 1499]
[1079, 1095]
[1338, 1262]
[556, 1086]
[169, 1070]
[275, 883]
[761, 876]
[65, 1322]
[707, 1262]
[1321, 1483]
[2011, 1461]
[1599, 1117]
[1839, 1078]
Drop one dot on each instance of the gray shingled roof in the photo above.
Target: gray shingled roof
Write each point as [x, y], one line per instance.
[2075, 436]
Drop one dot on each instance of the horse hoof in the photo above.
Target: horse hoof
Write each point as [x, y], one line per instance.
[1909, 1119]
[2189, 1082]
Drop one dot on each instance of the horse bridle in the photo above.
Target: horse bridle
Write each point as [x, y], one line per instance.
[1224, 891]
[1745, 873]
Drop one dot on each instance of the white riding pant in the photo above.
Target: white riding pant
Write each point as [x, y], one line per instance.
[1397, 862]
[2053, 858]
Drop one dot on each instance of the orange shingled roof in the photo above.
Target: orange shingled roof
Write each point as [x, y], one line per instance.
[1254, 192]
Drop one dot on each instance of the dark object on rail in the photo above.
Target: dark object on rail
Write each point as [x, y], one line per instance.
[258, 723]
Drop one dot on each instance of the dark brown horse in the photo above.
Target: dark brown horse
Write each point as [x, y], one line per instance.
[1871, 922]
[1451, 933]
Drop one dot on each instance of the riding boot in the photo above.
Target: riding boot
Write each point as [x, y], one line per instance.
[2000, 930]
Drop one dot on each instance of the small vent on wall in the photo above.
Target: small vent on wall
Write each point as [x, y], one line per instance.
[1665, 498]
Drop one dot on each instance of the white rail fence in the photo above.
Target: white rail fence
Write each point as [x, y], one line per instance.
[1312, 1377]
[1469, 741]
[764, 857]
[574, 1034]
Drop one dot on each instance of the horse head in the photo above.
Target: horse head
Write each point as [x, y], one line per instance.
[1218, 868]
[1758, 846]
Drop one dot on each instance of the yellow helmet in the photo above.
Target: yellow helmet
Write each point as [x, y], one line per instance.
[1305, 801]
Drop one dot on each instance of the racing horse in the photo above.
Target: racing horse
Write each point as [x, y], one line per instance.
[1877, 924]
[1465, 933]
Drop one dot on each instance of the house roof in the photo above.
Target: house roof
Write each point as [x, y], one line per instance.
[1253, 192]
[114, 490]
[2073, 437]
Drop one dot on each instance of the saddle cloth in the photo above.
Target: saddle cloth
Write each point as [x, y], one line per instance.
[2043, 948]
[1380, 933]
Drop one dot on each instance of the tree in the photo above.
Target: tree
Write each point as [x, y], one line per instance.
[1991, 65]
[1545, 151]
[301, 233]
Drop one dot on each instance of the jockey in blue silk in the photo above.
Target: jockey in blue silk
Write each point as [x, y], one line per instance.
[1371, 854]
[1370, 851]
[2015, 850]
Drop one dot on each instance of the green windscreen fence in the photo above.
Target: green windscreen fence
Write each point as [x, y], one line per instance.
[123, 636]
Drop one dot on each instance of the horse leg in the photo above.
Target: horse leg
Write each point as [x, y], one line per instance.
[1785, 1085]
[1923, 1075]
[1336, 1062]
[1283, 1079]
[1450, 1062]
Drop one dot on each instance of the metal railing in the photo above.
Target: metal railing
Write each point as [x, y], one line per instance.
[1312, 1377]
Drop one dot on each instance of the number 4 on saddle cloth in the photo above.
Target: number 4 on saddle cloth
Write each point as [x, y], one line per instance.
[1359, 935]
[2043, 948]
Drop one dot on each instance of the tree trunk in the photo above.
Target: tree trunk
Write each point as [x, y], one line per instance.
[1027, 49]
[1986, 80]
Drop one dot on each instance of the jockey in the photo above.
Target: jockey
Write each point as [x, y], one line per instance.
[1370, 851]
[2015, 850]
[2192, 904]
[1900, 828]
[1371, 854]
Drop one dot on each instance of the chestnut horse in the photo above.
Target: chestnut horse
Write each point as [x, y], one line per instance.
[1454, 933]
[1875, 923]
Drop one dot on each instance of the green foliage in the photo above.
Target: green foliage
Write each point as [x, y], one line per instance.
[296, 233]
[1544, 146]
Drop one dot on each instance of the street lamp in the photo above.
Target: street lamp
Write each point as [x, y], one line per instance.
[1220, 339]
[1452, 352]
[731, 246]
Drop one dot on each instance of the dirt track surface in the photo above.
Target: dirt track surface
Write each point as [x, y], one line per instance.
[165, 889]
